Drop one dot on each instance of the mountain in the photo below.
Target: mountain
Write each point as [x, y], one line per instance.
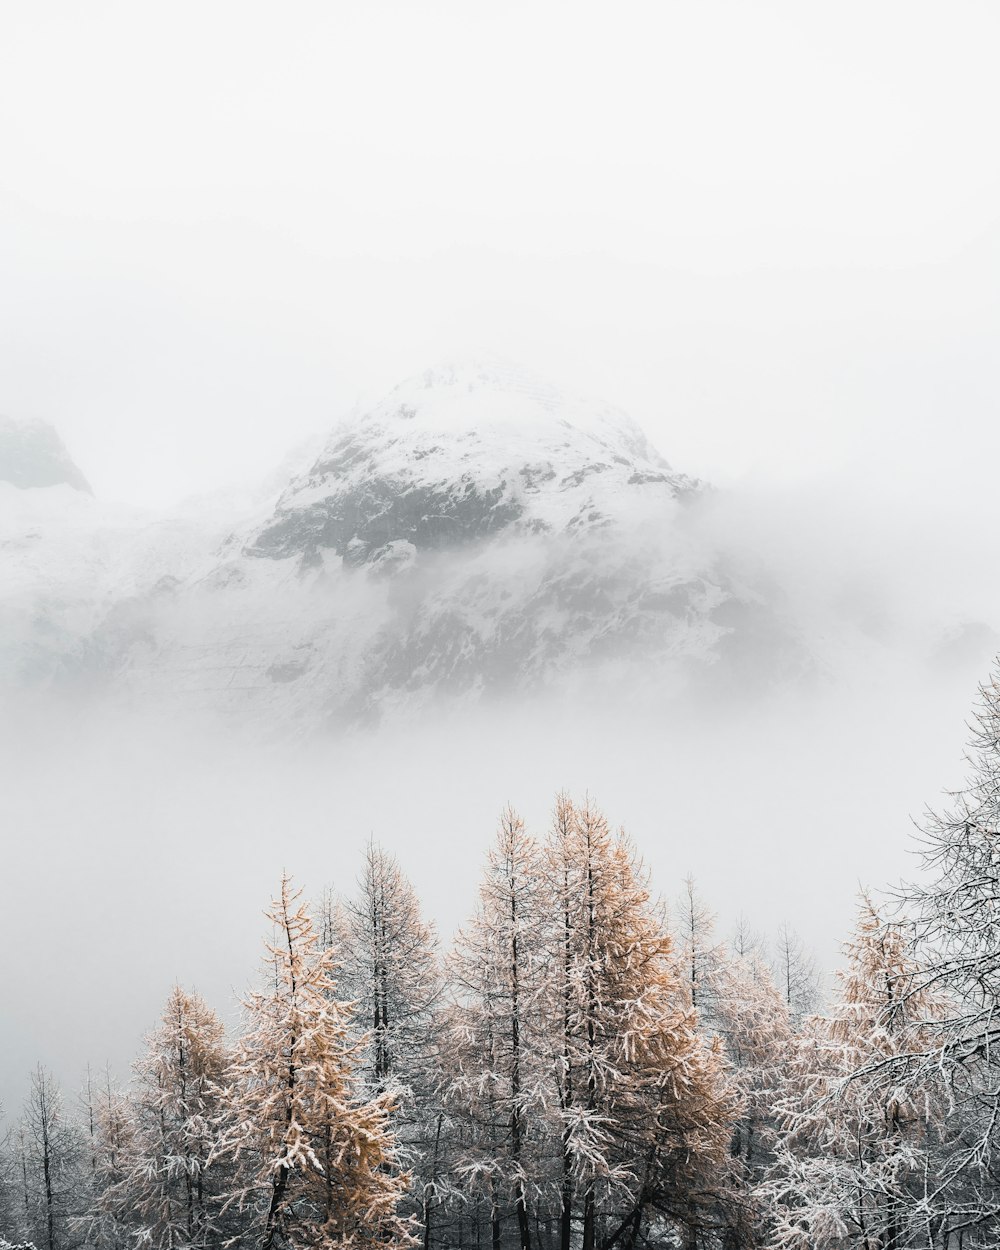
[477, 534]
[465, 453]
[32, 455]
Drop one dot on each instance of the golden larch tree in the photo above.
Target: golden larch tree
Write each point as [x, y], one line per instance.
[315, 1158]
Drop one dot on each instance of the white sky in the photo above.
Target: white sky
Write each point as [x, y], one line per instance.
[770, 231]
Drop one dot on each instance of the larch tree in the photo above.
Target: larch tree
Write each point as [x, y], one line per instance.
[562, 888]
[54, 1167]
[795, 975]
[12, 1207]
[390, 971]
[109, 1223]
[314, 1156]
[746, 941]
[645, 1104]
[498, 1086]
[858, 1146]
[954, 912]
[167, 1189]
[751, 1018]
[699, 953]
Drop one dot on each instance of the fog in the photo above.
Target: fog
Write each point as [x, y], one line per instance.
[768, 232]
[142, 847]
[137, 855]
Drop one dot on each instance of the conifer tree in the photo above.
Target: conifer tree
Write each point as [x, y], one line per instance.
[955, 930]
[11, 1202]
[857, 1146]
[498, 1083]
[795, 975]
[109, 1223]
[315, 1158]
[166, 1188]
[699, 954]
[53, 1162]
[746, 942]
[751, 1018]
[390, 972]
[562, 889]
[645, 1105]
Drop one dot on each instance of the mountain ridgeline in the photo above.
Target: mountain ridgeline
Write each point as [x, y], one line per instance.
[477, 534]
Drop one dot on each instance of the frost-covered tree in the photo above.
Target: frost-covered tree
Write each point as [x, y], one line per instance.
[955, 915]
[699, 953]
[314, 1156]
[751, 1018]
[167, 1192]
[390, 971]
[109, 1224]
[859, 1147]
[644, 1103]
[746, 941]
[795, 975]
[11, 1198]
[498, 1084]
[53, 1162]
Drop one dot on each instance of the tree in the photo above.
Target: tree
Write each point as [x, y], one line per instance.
[390, 972]
[110, 1224]
[746, 941]
[53, 1155]
[751, 1018]
[858, 1146]
[498, 1084]
[698, 953]
[166, 1188]
[315, 1158]
[561, 887]
[954, 924]
[645, 1107]
[795, 972]
[12, 1205]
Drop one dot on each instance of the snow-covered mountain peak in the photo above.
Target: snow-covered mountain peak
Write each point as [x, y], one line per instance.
[461, 452]
[32, 456]
[477, 533]
[495, 399]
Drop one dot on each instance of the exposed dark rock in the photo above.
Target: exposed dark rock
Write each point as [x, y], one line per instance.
[357, 523]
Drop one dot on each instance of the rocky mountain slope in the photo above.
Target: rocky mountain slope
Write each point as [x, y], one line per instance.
[465, 453]
[476, 534]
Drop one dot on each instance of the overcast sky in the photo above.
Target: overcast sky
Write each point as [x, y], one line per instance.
[769, 231]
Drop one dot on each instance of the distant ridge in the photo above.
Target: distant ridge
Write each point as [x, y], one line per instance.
[33, 456]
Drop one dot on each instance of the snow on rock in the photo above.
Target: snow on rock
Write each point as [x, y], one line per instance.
[477, 534]
[463, 453]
